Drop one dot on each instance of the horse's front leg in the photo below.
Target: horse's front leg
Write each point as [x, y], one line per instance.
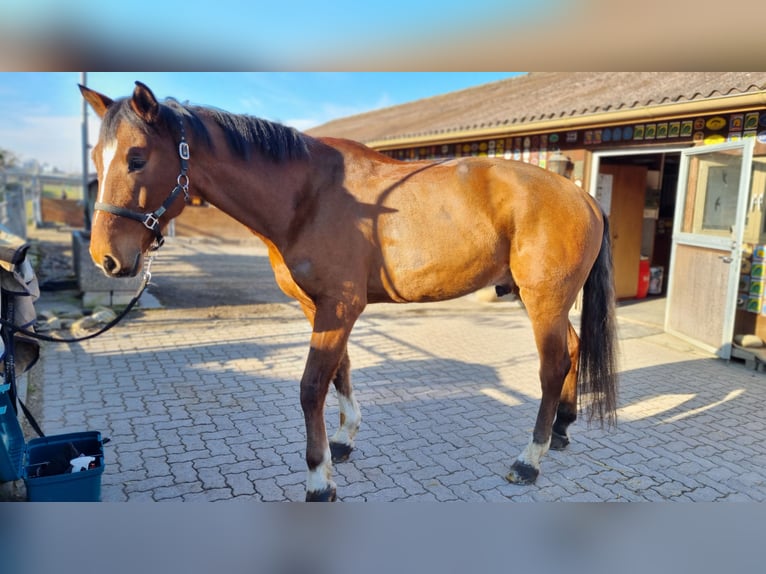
[332, 325]
[342, 442]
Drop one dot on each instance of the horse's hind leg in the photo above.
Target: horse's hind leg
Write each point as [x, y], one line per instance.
[342, 442]
[566, 413]
[551, 339]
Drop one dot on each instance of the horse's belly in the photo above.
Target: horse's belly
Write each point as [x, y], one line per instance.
[441, 264]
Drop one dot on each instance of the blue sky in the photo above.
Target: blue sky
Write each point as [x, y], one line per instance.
[40, 112]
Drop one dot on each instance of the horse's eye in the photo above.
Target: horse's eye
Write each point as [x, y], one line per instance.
[136, 163]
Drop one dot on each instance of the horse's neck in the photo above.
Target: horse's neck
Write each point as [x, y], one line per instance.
[258, 193]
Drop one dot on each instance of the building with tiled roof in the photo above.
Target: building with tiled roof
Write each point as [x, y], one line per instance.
[677, 159]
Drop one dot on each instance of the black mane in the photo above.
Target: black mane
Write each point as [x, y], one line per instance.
[244, 134]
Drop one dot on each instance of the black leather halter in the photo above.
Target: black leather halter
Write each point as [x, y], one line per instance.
[152, 220]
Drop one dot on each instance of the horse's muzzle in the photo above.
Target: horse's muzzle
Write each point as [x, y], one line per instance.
[113, 268]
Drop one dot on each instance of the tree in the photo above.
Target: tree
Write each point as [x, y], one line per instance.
[7, 158]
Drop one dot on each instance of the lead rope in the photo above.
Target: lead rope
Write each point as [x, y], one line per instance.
[8, 324]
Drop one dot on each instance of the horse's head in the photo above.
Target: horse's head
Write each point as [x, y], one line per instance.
[140, 156]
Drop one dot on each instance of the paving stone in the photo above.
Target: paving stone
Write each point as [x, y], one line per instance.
[211, 478]
[184, 472]
[211, 495]
[157, 466]
[441, 492]
[458, 477]
[390, 494]
[176, 492]
[148, 484]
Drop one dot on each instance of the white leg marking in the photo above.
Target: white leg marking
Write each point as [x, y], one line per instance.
[352, 418]
[321, 477]
[110, 150]
[534, 453]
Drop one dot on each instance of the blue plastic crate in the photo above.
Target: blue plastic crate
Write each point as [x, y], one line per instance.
[22, 460]
[84, 486]
[11, 439]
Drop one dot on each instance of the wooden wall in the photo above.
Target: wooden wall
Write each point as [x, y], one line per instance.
[211, 222]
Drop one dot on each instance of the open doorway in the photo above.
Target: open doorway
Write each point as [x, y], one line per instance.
[638, 189]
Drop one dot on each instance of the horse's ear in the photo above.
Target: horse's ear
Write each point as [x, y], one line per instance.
[99, 102]
[144, 103]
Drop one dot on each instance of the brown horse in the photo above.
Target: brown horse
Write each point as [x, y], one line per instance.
[347, 226]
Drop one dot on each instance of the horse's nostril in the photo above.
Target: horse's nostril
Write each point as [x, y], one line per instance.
[109, 264]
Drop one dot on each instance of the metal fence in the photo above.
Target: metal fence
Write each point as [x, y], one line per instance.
[20, 197]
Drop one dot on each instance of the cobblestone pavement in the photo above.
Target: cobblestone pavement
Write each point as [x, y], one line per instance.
[202, 404]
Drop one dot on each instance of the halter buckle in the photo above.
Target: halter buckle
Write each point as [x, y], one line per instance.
[151, 222]
[183, 150]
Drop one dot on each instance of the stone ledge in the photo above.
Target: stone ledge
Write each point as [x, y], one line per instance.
[97, 288]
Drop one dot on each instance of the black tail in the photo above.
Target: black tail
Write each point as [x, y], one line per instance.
[597, 372]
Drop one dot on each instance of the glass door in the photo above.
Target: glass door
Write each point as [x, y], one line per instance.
[711, 204]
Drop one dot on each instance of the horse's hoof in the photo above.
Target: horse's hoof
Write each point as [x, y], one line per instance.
[559, 441]
[340, 452]
[522, 473]
[501, 290]
[326, 495]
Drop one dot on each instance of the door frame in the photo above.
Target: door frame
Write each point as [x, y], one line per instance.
[595, 162]
[733, 242]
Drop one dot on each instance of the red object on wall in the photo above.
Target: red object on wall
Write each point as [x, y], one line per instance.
[643, 278]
